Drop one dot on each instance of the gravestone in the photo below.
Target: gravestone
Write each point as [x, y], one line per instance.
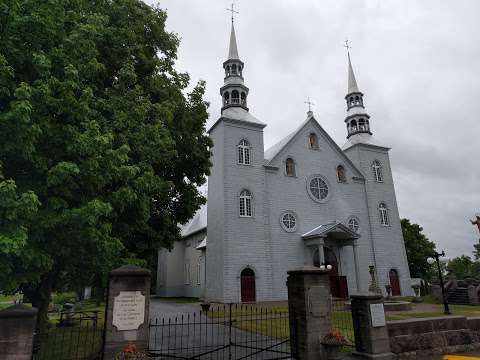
[127, 310]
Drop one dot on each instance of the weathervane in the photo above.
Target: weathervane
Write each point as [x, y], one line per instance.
[309, 104]
[477, 221]
[233, 11]
[348, 47]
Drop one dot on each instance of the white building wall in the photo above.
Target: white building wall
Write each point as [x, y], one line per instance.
[387, 240]
[290, 193]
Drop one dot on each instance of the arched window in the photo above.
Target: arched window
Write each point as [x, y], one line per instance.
[228, 70]
[377, 171]
[367, 125]
[226, 98]
[383, 212]
[353, 125]
[357, 100]
[351, 102]
[245, 204]
[361, 124]
[234, 69]
[243, 97]
[313, 141]
[244, 152]
[341, 174]
[290, 167]
[235, 97]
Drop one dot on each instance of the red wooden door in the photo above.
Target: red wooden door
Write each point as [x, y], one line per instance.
[247, 285]
[394, 282]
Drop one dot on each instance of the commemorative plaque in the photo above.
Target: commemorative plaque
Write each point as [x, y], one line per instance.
[378, 315]
[128, 310]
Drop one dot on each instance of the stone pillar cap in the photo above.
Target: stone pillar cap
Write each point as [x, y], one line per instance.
[366, 296]
[130, 270]
[308, 270]
[18, 311]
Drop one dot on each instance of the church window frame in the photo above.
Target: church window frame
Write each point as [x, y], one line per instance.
[244, 153]
[245, 204]
[318, 188]
[289, 221]
[186, 274]
[383, 213]
[377, 171]
[235, 97]
[199, 271]
[290, 168]
[341, 174]
[353, 223]
[313, 141]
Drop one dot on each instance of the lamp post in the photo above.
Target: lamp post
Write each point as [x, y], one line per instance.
[436, 258]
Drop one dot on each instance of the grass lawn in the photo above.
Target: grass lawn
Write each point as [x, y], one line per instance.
[180, 300]
[436, 310]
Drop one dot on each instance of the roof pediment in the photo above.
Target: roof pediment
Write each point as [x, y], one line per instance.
[335, 230]
[273, 152]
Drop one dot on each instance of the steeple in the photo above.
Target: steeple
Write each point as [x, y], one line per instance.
[234, 93]
[232, 50]
[357, 119]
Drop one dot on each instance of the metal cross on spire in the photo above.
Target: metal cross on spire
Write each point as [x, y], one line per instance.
[233, 11]
[348, 47]
[309, 103]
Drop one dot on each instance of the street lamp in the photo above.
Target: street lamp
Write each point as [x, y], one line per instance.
[431, 261]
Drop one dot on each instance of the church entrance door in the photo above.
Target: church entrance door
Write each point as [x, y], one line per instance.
[247, 285]
[338, 284]
[394, 282]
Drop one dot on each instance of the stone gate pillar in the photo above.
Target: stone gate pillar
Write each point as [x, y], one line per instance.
[17, 325]
[370, 327]
[310, 308]
[127, 315]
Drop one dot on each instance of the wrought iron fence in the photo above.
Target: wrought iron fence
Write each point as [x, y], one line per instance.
[73, 336]
[230, 331]
[342, 319]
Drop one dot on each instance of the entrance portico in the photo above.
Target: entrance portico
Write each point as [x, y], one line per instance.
[322, 242]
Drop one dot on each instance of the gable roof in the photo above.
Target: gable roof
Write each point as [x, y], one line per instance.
[197, 223]
[276, 149]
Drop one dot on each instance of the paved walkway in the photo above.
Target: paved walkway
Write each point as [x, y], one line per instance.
[182, 330]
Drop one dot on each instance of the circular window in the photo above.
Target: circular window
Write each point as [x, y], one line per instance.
[318, 188]
[288, 222]
[354, 224]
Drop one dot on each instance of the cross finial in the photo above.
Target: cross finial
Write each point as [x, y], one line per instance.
[309, 103]
[233, 11]
[348, 47]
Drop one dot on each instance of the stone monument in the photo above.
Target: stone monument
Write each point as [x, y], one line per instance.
[127, 310]
[373, 287]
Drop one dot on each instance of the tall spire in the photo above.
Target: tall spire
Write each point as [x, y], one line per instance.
[357, 119]
[352, 82]
[232, 49]
[234, 92]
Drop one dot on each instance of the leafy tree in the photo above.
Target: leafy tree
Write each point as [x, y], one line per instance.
[463, 267]
[101, 148]
[418, 248]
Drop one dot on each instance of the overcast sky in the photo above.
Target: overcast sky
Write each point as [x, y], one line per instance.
[417, 62]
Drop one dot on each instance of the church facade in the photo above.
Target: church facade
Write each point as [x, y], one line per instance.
[304, 201]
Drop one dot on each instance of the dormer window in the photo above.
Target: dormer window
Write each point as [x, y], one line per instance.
[290, 167]
[313, 141]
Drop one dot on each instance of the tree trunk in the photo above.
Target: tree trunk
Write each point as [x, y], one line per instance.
[40, 296]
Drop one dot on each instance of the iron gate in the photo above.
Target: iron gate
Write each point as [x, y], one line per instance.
[72, 336]
[342, 319]
[230, 331]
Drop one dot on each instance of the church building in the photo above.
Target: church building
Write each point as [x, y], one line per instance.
[304, 201]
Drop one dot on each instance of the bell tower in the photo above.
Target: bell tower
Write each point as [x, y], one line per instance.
[234, 93]
[357, 119]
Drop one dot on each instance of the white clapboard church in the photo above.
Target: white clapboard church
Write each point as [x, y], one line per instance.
[304, 201]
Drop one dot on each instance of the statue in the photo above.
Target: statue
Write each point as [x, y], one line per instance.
[477, 221]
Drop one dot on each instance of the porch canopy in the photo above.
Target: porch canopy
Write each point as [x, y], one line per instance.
[333, 234]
